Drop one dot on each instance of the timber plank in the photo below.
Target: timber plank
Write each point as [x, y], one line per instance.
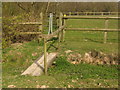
[37, 68]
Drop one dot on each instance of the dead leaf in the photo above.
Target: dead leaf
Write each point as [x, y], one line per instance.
[68, 51]
[34, 54]
[69, 86]
[11, 86]
[38, 86]
[74, 81]
[43, 86]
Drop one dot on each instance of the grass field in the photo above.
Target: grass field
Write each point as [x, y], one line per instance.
[63, 74]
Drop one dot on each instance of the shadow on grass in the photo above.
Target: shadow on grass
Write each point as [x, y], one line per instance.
[102, 41]
[94, 40]
[53, 40]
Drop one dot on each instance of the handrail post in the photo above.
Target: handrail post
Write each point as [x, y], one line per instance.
[69, 13]
[60, 33]
[77, 13]
[41, 20]
[40, 26]
[58, 46]
[64, 22]
[105, 33]
[60, 24]
[45, 56]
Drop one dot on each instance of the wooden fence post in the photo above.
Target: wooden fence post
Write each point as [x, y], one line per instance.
[63, 38]
[40, 27]
[41, 20]
[57, 23]
[105, 33]
[60, 24]
[58, 44]
[69, 13]
[77, 13]
[59, 33]
[102, 13]
[45, 56]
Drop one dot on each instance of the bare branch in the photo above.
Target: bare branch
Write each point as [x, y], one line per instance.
[22, 7]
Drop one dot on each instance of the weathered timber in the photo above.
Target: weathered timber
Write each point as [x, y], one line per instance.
[105, 37]
[54, 33]
[36, 64]
[58, 44]
[45, 56]
[37, 68]
[92, 29]
[64, 23]
[90, 17]
[105, 33]
[27, 23]
[93, 13]
[30, 33]
[41, 21]
[60, 24]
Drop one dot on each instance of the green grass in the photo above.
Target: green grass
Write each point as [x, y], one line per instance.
[86, 41]
[91, 23]
[62, 75]
[22, 54]
[18, 57]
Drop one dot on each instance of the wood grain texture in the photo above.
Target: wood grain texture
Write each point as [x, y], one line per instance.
[88, 17]
[92, 29]
[37, 68]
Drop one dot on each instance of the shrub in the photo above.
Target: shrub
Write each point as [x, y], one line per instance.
[11, 31]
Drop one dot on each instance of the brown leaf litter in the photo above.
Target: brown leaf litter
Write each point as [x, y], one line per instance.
[93, 57]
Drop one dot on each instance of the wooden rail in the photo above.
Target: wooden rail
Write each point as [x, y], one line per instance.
[82, 17]
[92, 29]
[49, 36]
[91, 13]
[30, 33]
[28, 23]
